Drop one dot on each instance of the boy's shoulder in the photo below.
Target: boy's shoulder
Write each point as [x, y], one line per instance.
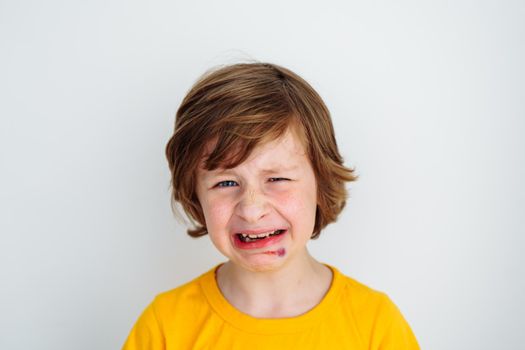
[186, 300]
[351, 284]
[358, 290]
[188, 291]
[373, 308]
[363, 301]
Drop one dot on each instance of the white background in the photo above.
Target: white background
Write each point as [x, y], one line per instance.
[427, 98]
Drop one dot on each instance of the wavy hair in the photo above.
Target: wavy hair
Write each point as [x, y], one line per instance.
[239, 107]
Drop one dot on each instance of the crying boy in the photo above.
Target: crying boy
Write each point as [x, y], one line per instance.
[255, 166]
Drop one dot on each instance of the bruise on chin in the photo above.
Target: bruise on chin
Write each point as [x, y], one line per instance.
[279, 252]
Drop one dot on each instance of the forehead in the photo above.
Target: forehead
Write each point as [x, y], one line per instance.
[287, 151]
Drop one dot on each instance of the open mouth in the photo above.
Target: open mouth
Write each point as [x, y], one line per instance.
[246, 238]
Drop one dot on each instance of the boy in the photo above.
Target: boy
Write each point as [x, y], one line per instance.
[255, 165]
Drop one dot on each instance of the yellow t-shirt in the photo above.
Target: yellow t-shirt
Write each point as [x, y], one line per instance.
[197, 316]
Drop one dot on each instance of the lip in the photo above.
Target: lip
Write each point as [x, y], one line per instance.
[258, 244]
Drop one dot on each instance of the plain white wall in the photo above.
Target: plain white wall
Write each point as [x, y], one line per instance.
[428, 102]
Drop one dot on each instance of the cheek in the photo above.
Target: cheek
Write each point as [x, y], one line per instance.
[216, 223]
[216, 213]
[298, 202]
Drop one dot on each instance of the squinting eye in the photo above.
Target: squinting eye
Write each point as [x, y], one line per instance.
[275, 179]
[227, 183]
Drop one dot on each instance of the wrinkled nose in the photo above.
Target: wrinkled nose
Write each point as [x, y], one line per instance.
[252, 206]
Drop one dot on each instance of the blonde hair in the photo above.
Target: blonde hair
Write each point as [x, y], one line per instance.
[239, 107]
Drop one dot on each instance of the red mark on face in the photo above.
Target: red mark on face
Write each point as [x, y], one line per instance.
[279, 252]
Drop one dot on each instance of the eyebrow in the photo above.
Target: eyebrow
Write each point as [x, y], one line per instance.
[273, 170]
[270, 170]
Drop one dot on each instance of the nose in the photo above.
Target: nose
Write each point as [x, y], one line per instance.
[252, 205]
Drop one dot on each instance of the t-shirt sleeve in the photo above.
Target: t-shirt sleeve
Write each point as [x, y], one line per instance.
[146, 334]
[392, 330]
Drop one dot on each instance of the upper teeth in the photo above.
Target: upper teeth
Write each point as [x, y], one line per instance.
[260, 235]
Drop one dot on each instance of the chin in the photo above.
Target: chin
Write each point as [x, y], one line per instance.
[261, 265]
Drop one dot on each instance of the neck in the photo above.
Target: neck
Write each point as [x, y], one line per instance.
[289, 291]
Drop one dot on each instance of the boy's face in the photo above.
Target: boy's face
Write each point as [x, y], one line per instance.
[273, 194]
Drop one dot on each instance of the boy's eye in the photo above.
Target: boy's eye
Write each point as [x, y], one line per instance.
[227, 183]
[275, 179]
